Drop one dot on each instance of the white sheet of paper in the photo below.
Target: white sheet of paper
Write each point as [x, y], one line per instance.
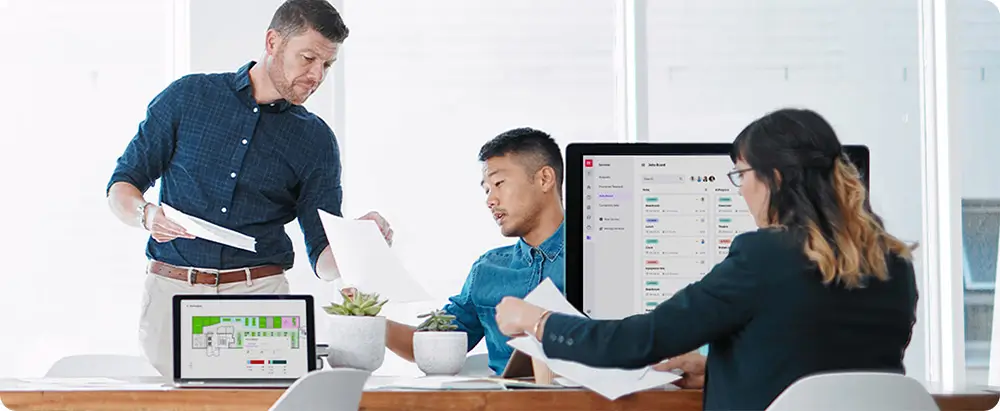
[208, 231]
[609, 382]
[366, 261]
[80, 384]
[432, 383]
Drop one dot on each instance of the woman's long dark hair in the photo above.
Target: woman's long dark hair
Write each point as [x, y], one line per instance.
[816, 191]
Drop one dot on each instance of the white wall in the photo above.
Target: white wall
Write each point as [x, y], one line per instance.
[424, 86]
[74, 91]
[715, 65]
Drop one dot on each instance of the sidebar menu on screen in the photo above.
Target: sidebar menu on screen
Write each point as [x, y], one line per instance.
[608, 234]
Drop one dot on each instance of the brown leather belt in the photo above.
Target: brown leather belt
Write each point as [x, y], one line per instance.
[211, 277]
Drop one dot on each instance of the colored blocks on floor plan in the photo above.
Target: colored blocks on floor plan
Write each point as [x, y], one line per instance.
[214, 334]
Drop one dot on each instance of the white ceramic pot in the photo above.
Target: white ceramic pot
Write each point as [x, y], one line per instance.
[356, 342]
[440, 352]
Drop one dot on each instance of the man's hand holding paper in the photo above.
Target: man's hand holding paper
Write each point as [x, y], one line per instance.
[365, 261]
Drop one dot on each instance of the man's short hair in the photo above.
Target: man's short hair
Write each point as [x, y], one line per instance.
[294, 17]
[535, 146]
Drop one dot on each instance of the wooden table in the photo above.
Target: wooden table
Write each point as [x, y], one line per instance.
[547, 400]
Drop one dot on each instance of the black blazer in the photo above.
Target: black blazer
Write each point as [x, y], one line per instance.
[768, 319]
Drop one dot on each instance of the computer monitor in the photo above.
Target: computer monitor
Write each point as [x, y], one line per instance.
[644, 220]
[235, 339]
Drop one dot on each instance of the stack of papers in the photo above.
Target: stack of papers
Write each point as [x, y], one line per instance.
[83, 384]
[609, 382]
[366, 262]
[436, 383]
[208, 231]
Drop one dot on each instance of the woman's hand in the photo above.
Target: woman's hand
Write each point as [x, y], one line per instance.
[515, 317]
[691, 364]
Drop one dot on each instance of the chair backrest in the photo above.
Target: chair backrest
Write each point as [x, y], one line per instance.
[477, 365]
[856, 391]
[335, 389]
[101, 365]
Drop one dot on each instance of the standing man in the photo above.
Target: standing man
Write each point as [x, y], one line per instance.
[240, 151]
[522, 180]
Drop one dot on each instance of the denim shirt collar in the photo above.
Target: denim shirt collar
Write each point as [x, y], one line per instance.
[241, 84]
[550, 248]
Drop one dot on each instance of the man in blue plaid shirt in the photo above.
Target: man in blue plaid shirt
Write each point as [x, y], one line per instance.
[240, 151]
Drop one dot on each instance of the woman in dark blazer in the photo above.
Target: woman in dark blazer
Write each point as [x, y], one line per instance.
[819, 287]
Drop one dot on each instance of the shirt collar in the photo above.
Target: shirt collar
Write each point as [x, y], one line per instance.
[550, 248]
[241, 84]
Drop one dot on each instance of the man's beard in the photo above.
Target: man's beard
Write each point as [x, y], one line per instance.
[285, 88]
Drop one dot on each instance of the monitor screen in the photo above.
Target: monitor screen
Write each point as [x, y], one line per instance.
[243, 338]
[646, 220]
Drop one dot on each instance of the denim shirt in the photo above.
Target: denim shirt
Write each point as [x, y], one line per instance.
[513, 270]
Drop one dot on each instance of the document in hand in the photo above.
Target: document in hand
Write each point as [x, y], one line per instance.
[208, 231]
[609, 382]
[365, 260]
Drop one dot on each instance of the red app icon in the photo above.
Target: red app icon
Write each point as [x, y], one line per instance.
[588, 163]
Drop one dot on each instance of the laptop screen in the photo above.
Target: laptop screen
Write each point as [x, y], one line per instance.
[245, 339]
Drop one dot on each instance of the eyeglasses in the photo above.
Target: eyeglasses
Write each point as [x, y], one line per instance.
[736, 176]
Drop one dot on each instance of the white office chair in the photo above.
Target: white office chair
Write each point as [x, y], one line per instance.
[101, 365]
[336, 389]
[856, 391]
[476, 365]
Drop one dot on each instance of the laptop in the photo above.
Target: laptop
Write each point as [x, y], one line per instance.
[242, 340]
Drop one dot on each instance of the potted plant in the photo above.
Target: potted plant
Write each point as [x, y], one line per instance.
[438, 347]
[356, 332]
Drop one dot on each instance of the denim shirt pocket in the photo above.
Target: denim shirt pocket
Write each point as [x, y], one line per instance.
[499, 275]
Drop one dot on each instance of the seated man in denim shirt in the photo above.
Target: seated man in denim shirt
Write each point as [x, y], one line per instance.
[522, 178]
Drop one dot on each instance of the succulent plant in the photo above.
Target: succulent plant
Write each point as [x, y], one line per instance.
[437, 320]
[360, 305]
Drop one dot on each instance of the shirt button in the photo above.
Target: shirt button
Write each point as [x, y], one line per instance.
[255, 109]
[560, 338]
[569, 341]
[224, 209]
[244, 141]
[233, 175]
[552, 337]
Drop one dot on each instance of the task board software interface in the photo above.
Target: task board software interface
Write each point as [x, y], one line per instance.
[652, 225]
[243, 339]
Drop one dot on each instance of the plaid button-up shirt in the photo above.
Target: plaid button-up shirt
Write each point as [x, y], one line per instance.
[249, 167]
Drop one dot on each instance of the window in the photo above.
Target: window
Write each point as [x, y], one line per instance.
[77, 90]
[427, 83]
[714, 66]
[975, 99]
[980, 231]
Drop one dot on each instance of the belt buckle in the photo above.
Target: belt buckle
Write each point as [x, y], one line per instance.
[193, 274]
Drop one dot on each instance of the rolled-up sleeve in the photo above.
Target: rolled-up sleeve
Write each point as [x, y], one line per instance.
[464, 310]
[704, 311]
[320, 190]
[148, 153]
